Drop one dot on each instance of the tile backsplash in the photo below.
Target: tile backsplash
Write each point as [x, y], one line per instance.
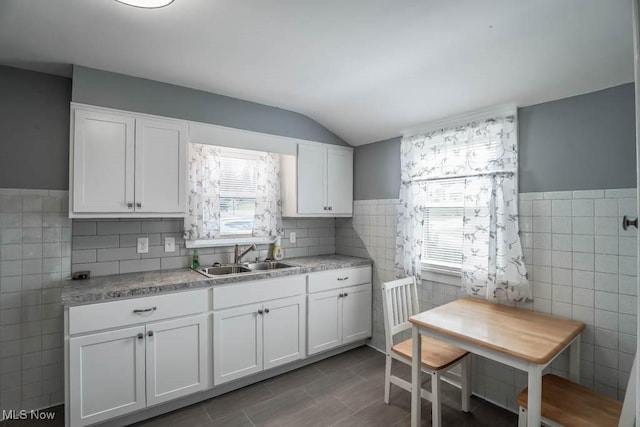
[35, 250]
[109, 246]
[581, 264]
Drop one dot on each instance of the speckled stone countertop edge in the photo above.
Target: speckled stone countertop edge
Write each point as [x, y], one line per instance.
[138, 285]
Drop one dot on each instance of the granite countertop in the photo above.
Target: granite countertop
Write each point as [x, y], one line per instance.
[109, 288]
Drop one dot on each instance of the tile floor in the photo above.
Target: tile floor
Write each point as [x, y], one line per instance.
[345, 390]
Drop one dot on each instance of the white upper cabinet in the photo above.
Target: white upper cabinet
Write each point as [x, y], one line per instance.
[126, 165]
[318, 182]
[161, 158]
[103, 162]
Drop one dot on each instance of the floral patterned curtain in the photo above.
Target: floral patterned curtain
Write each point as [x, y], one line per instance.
[268, 217]
[485, 154]
[203, 200]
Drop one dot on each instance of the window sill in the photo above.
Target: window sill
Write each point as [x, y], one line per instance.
[440, 276]
[228, 241]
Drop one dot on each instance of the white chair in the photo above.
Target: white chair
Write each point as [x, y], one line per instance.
[565, 403]
[399, 302]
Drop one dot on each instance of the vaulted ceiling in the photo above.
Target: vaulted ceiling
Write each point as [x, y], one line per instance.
[365, 69]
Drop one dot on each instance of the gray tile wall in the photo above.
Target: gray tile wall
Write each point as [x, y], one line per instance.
[109, 246]
[35, 250]
[582, 265]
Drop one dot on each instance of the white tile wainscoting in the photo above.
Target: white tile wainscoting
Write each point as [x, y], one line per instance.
[35, 250]
[581, 265]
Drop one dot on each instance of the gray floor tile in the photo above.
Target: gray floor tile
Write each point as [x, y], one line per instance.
[193, 416]
[270, 412]
[320, 414]
[236, 401]
[298, 378]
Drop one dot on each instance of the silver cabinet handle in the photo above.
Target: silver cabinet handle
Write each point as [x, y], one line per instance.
[144, 310]
[138, 204]
[130, 205]
[343, 278]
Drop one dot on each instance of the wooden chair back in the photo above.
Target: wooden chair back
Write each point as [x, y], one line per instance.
[399, 302]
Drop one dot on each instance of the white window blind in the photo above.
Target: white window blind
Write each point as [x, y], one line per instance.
[452, 166]
[442, 229]
[238, 181]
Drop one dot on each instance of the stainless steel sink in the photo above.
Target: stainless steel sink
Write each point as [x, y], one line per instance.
[267, 265]
[223, 270]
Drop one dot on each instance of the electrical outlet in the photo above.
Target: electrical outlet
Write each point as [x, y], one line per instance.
[292, 237]
[169, 244]
[143, 245]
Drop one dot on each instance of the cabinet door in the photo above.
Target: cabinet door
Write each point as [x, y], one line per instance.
[284, 331]
[237, 343]
[161, 166]
[356, 313]
[177, 358]
[106, 375]
[103, 162]
[340, 181]
[324, 321]
[312, 185]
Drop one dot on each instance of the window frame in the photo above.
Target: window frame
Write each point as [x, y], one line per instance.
[442, 274]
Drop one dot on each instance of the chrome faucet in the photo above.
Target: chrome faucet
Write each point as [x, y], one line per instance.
[237, 258]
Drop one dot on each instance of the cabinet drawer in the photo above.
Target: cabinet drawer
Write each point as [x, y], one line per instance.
[94, 317]
[257, 291]
[334, 279]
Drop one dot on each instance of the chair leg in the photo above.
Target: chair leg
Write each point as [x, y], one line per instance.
[436, 412]
[387, 379]
[522, 417]
[465, 383]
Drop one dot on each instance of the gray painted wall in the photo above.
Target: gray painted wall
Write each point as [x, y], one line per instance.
[585, 142]
[376, 170]
[97, 87]
[34, 118]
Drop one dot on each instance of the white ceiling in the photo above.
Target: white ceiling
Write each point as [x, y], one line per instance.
[365, 69]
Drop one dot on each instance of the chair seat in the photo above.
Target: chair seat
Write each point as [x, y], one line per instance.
[436, 355]
[571, 404]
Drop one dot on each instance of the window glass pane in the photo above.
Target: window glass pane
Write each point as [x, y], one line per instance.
[238, 179]
[442, 229]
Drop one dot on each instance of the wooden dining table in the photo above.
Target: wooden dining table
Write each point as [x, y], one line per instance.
[516, 337]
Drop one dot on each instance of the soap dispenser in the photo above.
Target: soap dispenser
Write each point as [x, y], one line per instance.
[278, 252]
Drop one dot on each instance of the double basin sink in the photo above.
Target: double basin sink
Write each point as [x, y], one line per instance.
[223, 270]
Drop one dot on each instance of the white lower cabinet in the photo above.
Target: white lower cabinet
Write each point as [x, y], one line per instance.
[254, 337]
[106, 375]
[257, 325]
[115, 372]
[177, 358]
[126, 355]
[338, 314]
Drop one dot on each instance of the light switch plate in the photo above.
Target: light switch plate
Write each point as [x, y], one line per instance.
[143, 245]
[169, 244]
[292, 237]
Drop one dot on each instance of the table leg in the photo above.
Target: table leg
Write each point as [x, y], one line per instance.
[535, 396]
[416, 381]
[574, 360]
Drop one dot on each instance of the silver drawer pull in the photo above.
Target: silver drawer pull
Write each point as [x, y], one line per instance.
[343, 278]
[145, 310]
